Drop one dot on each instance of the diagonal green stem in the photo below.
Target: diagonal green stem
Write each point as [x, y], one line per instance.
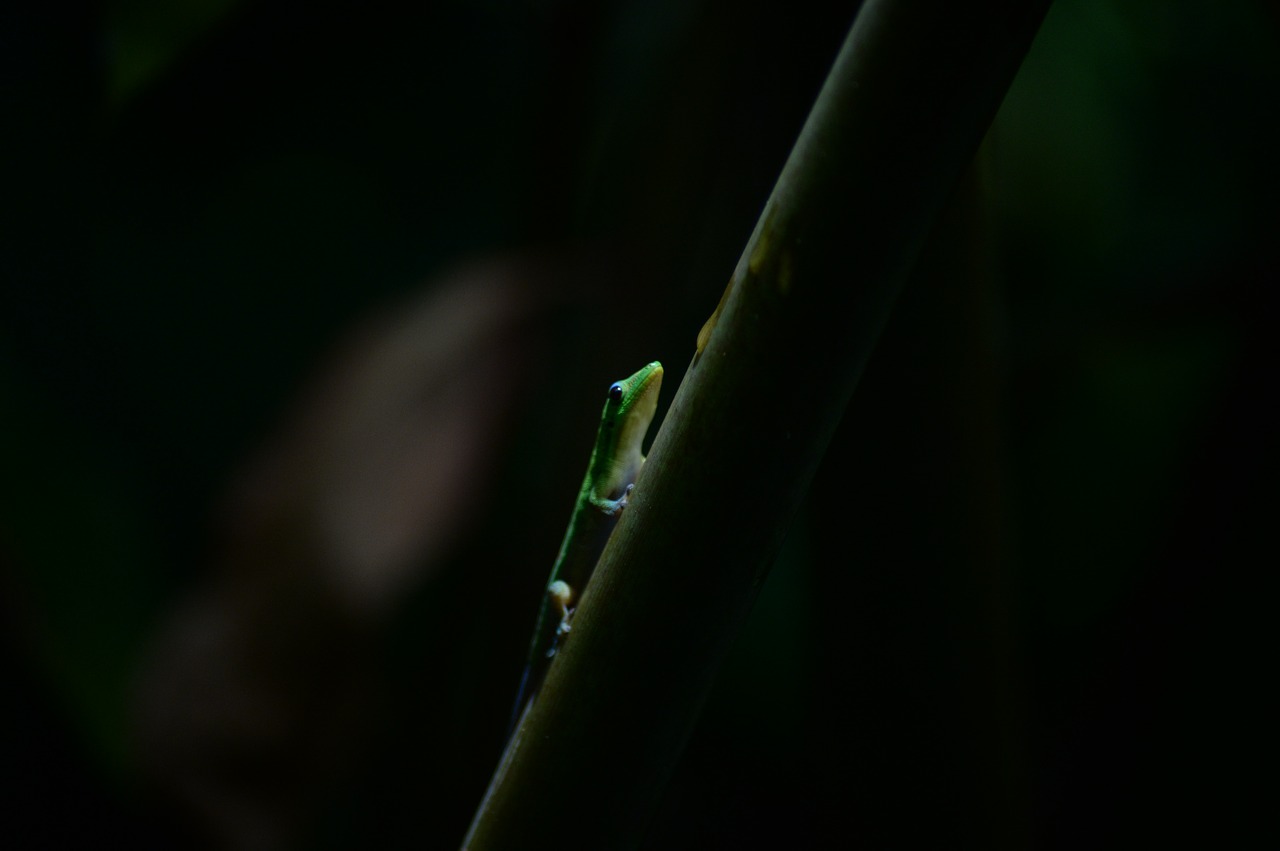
[908, 100]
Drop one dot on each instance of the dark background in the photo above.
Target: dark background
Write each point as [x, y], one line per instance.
[1023, 607]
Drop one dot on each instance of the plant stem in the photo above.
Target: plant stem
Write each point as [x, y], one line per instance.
[905, 106]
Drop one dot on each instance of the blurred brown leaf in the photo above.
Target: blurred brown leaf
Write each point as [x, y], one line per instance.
[258, 686]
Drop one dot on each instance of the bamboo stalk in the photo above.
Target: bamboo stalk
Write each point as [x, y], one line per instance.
[902, 112]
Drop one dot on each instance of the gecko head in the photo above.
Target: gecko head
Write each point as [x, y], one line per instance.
[636, 397]
[628, 411]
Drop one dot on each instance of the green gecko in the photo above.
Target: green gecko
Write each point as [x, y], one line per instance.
[615, 462]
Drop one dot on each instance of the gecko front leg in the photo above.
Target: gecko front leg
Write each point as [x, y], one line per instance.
[561, 593]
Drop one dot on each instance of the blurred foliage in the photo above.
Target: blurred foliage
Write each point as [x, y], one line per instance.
[144, 40]
[1023, 607]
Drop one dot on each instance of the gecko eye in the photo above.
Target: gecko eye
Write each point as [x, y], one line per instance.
[615, 392]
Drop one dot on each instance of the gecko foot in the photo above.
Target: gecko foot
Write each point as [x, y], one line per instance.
[622, 500]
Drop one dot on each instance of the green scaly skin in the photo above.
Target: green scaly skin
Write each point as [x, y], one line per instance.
[615, 463]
